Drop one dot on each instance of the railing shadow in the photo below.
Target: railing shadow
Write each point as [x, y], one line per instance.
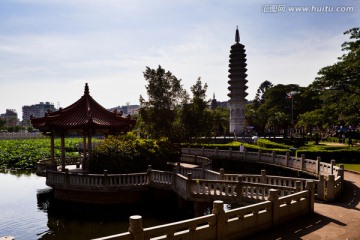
[350, 196]
[296, 229]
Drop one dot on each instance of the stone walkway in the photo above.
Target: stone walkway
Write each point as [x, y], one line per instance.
[339, 220]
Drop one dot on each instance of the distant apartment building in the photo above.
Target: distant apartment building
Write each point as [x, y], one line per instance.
[128, 109]
[36, 110]
[10, 117]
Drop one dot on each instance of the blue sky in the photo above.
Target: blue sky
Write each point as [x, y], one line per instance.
[49, 49]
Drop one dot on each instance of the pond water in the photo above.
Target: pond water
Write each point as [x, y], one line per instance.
[28, 211]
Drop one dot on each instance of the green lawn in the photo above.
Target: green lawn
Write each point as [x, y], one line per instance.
[353, 167]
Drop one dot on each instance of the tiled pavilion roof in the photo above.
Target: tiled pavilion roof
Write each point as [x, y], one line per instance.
[82, 116]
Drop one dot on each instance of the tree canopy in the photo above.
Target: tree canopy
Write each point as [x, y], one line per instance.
[170, 112]
[333, 99]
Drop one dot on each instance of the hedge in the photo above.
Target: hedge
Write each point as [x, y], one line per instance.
[346, 155]
[236, 145]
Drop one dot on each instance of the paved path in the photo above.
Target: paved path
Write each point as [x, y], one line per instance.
[337, 221]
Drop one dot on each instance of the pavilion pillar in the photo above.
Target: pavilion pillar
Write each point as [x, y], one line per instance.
[89, 149]
[52, 148]
[62, 149]
[84, 160]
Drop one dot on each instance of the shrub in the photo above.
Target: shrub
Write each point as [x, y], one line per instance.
[341, 155]
[236, 145]
[118, 155]
[266, 143]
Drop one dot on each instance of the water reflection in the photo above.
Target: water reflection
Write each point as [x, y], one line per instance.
[84, 221]
[29, 211]
[16, 172]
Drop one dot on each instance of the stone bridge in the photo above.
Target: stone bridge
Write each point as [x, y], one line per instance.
[274, 199]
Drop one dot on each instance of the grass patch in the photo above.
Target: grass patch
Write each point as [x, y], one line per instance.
[352, 167]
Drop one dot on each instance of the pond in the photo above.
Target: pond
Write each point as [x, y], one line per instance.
[28, 211]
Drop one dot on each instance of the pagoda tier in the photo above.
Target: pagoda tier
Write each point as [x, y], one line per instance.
[237, 70]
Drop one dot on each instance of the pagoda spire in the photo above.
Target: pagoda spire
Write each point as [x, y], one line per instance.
[237, 35]
[86, 91]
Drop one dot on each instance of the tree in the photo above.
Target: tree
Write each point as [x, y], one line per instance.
[278, 122]
[275, 100]
[158, 115]
[195, 116]
[259, 97]
[2, 123]
[339, 84]
[311, 120]
[220, 119]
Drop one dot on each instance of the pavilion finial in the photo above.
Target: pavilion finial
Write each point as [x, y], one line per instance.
[237, 35]
[86, 92]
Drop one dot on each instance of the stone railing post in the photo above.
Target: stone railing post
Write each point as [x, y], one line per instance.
[67, 177]
[341, 174]
[318, 160]
[174, 176]
[222, 173]
[287, 158]
[149, 174]
[239, 190]
[263, 176]
[244, 154]
[302, 161]
[298, 186]
[333, 163]
[330, 190]
[188, 184]
[202, 171]
[310, 188]
[273, 197]
[218, 210]
[341, 171]
[230, 152]
[188, 150]
[273, 157]
[321, 187]
[105, 178]
[178, 165]
[259, 155]
[216, 151]
[203, 150]
[136, 229]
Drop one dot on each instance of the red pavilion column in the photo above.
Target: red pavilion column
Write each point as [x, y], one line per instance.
[52, 150]
[89, 150]
[62, 148]
[84, 162]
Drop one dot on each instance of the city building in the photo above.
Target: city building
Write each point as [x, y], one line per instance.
[127, 110]
[36, 110]
[10, 117]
